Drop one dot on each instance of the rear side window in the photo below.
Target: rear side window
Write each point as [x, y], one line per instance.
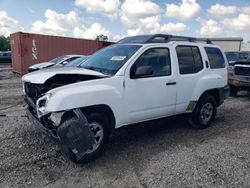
[189, 59]
[215, 57]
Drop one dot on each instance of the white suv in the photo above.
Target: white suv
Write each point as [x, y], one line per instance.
[138, 79]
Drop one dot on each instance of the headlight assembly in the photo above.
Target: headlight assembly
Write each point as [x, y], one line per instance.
[41, 103]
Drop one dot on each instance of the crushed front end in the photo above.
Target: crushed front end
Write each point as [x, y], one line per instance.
[76, 137]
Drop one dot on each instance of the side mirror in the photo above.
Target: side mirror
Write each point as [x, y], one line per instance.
[65, 62]
[143, 71]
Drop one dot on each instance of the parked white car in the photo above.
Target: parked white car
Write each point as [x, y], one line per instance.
[54, 62]
[138, 79]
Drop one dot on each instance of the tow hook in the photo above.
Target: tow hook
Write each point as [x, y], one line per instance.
[77, 136]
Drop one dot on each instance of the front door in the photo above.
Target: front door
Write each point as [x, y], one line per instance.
[153, 95]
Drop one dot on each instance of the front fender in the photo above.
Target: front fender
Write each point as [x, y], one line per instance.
[93, 95]
[83, 94]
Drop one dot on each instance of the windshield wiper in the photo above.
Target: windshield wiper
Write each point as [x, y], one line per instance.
[95, 69]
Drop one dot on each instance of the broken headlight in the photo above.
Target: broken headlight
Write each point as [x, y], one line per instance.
[41, 104]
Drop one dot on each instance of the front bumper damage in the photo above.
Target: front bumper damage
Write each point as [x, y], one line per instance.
[75, 137]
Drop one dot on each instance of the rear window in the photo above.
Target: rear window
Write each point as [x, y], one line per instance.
[189, 59]
[215, 57]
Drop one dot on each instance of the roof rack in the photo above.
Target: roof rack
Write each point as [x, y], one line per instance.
[161, 38]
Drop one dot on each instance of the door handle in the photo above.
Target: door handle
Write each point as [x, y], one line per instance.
[170, 83]
[207, 64]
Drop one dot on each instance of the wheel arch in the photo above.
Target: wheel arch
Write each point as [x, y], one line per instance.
[213, 92]
[102, 109]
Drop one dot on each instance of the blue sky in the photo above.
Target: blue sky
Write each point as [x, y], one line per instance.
[118, 18]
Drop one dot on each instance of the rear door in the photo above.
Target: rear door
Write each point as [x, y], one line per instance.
[191, 69]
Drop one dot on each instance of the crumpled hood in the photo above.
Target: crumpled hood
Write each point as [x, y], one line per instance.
[41, 65]
[40, 77]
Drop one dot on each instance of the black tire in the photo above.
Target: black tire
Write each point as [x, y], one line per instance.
[204, 112]
[233, 91]
[102, 120]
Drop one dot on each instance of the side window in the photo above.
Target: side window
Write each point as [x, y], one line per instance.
[72, 58]
[157, 58]
[215, 57]
[189, 59]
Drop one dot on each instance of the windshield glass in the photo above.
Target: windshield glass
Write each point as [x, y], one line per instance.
[76, 62]
[110, 59]
[232, 57]
[58, 59]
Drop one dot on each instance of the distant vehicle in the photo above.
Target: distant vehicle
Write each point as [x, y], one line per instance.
[239, 77]
[236, 56]
[232, 57]
[76, 62]
[5, 57]
[243, 55]
[59, 61]
[248, 59]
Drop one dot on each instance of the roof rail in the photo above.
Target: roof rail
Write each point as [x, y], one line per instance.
[161, 38]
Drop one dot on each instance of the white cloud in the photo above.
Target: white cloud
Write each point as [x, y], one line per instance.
[245, 10]
[222, 10]
[56, 23]
[186, 10]
[132, 32]
[210, 28]
[106, 7]
[8, 25]
[91, 32]
[240, 23]
[151, 24]
[173, 28]
[139, 9]
[69, 24]
[139, 15]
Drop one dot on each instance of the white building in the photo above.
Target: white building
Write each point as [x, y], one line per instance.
[229, 44]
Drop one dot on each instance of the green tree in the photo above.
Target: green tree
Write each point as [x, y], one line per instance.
[4, 43]
[101, 37]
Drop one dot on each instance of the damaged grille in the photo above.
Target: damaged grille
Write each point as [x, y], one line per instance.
[243, 71]
[33, 91]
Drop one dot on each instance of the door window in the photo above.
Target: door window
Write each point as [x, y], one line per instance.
[158, 59]
[215, 57]
[189, 59]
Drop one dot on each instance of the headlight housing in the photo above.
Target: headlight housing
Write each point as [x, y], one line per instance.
[41, 104]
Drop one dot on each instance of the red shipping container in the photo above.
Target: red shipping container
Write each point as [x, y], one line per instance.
[29, 49]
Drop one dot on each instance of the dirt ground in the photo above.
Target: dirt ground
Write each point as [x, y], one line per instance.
[164, 153]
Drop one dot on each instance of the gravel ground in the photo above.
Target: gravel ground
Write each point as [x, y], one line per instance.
[163, 153]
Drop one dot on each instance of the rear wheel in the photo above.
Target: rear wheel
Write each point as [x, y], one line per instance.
[204, 113]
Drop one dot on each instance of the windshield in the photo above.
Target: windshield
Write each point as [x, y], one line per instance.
[110, 59]
[76, 62]
[232, 57]
[243, 55]
[58, 59]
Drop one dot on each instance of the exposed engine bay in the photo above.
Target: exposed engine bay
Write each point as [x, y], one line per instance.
[35, 91]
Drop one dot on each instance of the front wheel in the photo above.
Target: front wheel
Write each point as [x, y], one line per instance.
[204, 112]
[98, 124]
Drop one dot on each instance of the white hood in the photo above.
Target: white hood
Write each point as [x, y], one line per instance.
[41, 65]
[39, 77]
